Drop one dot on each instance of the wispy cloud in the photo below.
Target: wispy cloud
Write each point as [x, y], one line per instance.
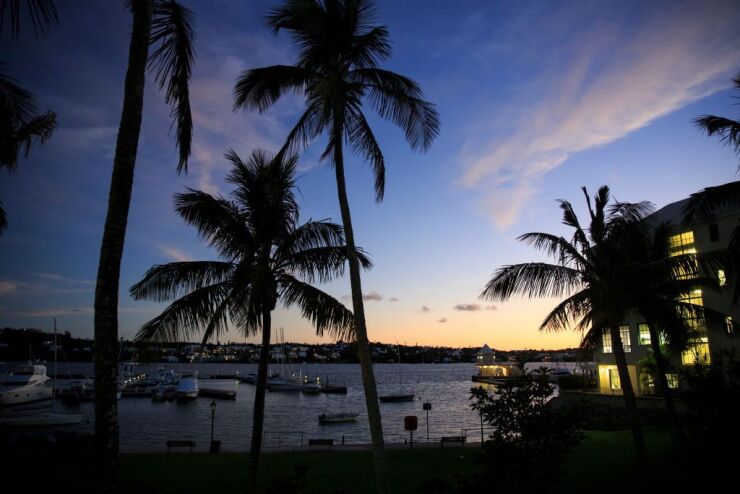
[7, 287]
[60, 278]
[610, 81]
[424, 308]
[393, 299]
[467, 307]
[443, 320]
[372, 297]
[174, 253]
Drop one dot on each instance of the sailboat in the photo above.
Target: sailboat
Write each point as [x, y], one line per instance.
[283, 382]
[44, 418]
[400, 396]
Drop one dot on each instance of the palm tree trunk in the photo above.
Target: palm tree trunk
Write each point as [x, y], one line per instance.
[111, 251]
[258, 416]
[629, 394]
[660, 365]
[382, 476]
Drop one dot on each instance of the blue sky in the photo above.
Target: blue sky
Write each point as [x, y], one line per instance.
[536, 99]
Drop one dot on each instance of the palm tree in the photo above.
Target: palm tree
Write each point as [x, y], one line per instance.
[265, 252]
[167, 26]
[20, 126]
[726, 128]
[337, 71]
[590, 271]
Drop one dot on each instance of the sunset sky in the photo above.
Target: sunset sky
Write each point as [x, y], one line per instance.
[536, 100]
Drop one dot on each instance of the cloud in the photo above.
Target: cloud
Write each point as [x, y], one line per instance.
[372, 297]
[424, 308]
[609, 81]
[60, 278]
[174, 253]
[467, 307]
[491, 307]
[7, 287]
[443, 320]
[393, 299]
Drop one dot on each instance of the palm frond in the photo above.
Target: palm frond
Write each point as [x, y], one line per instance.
[363, 141]
[324, 311]
[711, 201]
[167, 281]
[571, 219]
[16, 103]
[259, 89]
[172, 63]
[186, 316]
[310, 235]
[727, 129]
[3, 219]
[556, 247]
[218, 221]
[562, 317]
[400, 99]
[532, 280]
[322, 264]
[42, 13]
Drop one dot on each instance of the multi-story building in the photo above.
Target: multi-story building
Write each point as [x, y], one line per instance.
[700, 236]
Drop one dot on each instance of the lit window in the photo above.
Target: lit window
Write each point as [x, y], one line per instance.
[672, 380]
[729, 325]
[721, 277]
[697, 353]
[614, 382]
[606, 341]
[624, 335]
[683, 244]
[693, 320]
[643, 334]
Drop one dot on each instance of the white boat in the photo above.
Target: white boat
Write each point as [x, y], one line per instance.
[187, 389]
[311, 388]
[26, 384]
[40, 420]
[284, 384]
[401, 396]
[334, 418]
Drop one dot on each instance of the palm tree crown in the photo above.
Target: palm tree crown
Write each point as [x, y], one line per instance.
[337, 70]
[267, 257]
[726, 128]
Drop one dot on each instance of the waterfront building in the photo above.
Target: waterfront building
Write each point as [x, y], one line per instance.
[699, 236]
[485, 361]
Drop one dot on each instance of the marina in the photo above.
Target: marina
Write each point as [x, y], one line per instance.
[148, 422]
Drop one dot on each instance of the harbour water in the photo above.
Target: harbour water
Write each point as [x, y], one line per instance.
[292, 418]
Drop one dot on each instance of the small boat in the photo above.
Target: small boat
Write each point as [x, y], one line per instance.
[26, 384]
[335, 418]
[396, 398]
[250, 378]
[334, 389]
[311, 388]
[284, 384]
[224, 394]
[187, 389]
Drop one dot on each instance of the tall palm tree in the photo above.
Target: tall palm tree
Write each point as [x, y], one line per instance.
[337, 71]
[265, 254]
[20, 126]
[590, 271]
[726, 128]
[166, 26]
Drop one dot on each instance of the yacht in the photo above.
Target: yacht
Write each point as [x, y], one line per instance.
[26, 384]
[187, 389]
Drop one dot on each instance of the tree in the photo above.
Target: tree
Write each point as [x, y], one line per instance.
[727, 129]
[167, 26]
[267, 258]
[337, 71]
[593, 274]
[20, 127]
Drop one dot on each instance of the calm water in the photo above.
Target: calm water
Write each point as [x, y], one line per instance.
[292, 418]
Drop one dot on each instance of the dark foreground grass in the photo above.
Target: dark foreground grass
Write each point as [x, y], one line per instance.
[603, 462]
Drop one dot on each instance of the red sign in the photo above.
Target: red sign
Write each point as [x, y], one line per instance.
[410, 422]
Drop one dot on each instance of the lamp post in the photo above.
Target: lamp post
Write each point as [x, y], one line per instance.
[213, 418]
[427, 406]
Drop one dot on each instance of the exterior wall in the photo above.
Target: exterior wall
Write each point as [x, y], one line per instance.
[499, 370]
[721, 300]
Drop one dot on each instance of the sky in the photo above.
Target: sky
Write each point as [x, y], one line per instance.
[536, 99]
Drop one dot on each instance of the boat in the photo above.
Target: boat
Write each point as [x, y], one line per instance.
[224, 394]
[311, 388]
[336, 418]
[334, 389]
[250, 378]
[400, 396]
[25, 384]
[284, 384]
[187, 389]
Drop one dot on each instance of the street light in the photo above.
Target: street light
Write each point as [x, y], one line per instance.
[213, 418]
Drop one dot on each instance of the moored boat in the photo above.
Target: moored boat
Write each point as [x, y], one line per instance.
[335, 418]
[26, 384]
[187, 389]
[396, 398]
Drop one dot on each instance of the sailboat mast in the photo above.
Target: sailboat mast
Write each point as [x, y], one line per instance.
[56, 371]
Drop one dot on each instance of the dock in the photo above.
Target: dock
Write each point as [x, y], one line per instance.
[224, 394]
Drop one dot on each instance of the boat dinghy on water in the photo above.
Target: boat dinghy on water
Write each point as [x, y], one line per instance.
[335, 418]
[187, 389]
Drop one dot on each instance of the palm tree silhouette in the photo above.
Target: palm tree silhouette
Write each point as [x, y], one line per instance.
[337, 72]
[20, 127]
[267, 258]
[166, 26]
[727, 129]
[593, 272]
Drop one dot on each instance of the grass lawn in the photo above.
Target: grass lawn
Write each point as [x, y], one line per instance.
[604, 462]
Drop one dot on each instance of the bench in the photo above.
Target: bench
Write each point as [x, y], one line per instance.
[323, 443]
[451, 439]
[180, 444]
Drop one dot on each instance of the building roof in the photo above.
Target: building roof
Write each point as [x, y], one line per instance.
[485, 350]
